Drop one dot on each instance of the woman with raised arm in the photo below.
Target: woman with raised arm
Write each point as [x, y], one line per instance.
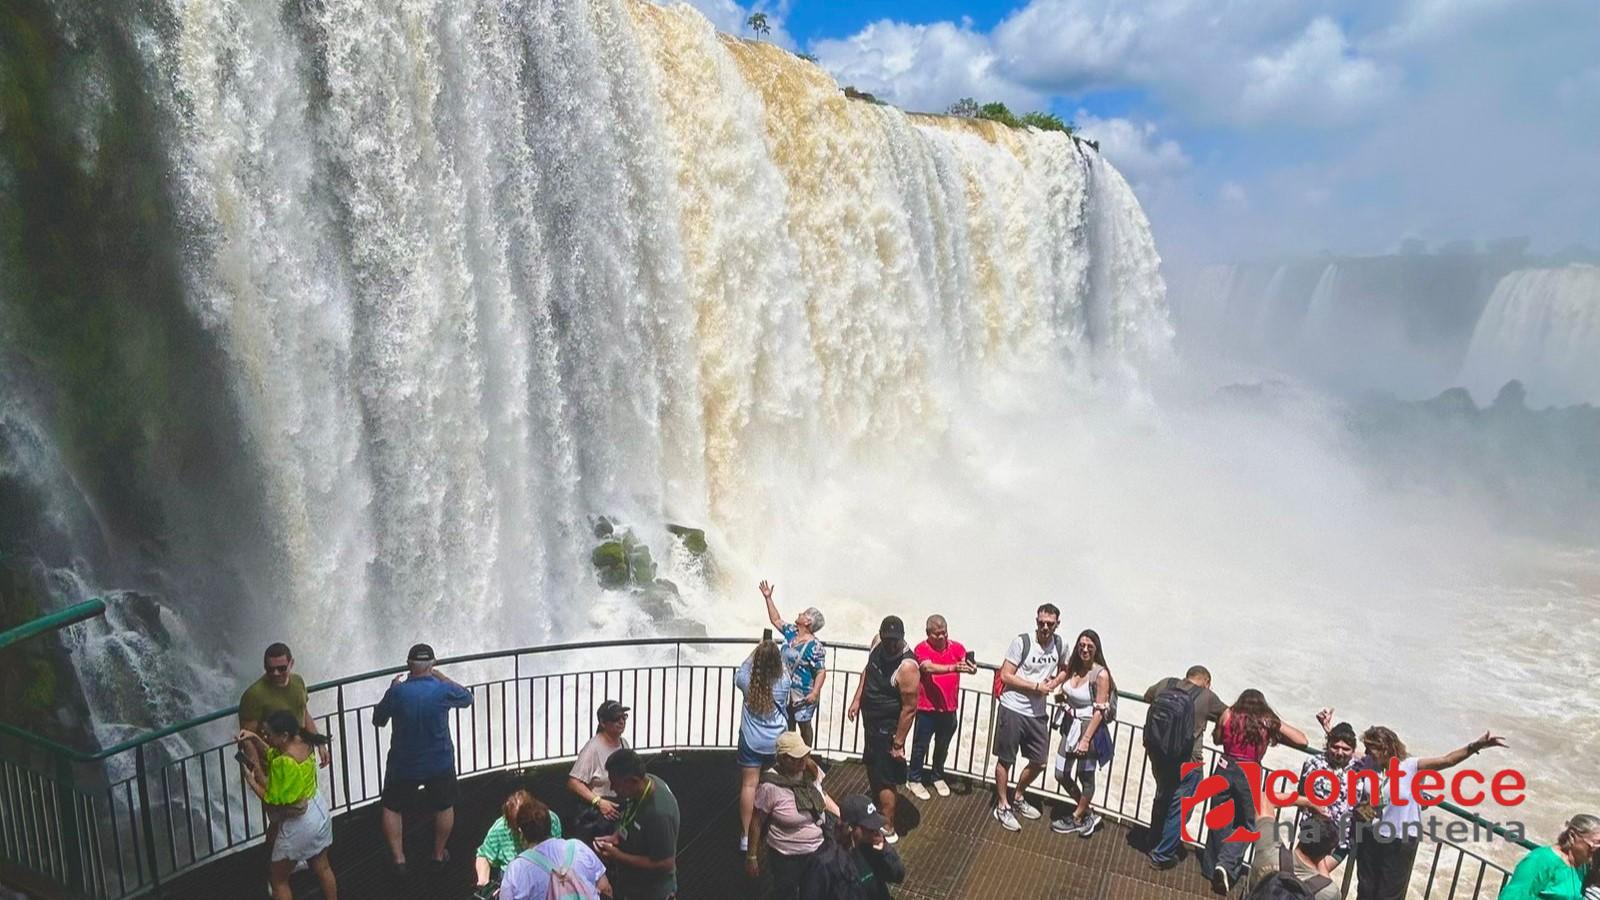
[1244, 731]
[1086, 698]
[763, 719]
[1389, 847]
[286, 782]
[1557, 872]
[805, 658]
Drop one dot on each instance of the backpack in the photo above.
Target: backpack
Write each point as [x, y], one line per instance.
[1283, 885]
[1169, 725]
[564, 881]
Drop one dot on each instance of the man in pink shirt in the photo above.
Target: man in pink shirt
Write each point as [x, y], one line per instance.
[938, 700]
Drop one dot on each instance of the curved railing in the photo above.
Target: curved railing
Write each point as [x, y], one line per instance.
[120, 821]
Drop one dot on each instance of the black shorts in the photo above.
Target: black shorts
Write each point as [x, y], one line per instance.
[400, 794]
[883, 769]
[1015, 731]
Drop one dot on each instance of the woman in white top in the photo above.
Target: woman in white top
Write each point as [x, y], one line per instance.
[1383, 864]
[1085, 698]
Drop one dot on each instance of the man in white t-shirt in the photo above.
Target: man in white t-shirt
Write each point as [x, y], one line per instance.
[1034, 666]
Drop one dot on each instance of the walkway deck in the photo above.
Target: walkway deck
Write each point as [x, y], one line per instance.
[951, 846]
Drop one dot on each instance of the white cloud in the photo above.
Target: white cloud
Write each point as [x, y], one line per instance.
[1316, 77]
[922, 67]
[1143, 157]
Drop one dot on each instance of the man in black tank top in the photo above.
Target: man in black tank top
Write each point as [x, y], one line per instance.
[886, 700]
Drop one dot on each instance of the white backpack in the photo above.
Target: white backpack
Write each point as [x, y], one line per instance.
[564, 881]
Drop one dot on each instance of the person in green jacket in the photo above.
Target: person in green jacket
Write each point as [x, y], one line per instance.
[1557, 872]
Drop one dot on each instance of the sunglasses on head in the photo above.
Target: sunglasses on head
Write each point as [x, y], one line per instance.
[277, 670]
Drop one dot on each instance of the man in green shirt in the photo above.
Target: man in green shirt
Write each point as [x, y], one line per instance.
[278, 688]
[642, 857]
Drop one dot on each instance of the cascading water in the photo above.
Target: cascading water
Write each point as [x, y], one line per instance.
[1542, 327]
[477, 272]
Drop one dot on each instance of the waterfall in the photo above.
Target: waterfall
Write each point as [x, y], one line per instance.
[1542, 327]
[481, 270]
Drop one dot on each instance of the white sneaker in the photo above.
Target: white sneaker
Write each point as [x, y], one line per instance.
[890, 837]
[301, 866]
[1090, 823]
[919, 792]
[1007, 819]
[744, 843]
[940, 788]
[1028, 810]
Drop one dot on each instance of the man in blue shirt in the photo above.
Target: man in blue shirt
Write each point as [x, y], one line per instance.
[421, 754]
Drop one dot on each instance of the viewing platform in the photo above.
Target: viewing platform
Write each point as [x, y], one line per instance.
[165, 815]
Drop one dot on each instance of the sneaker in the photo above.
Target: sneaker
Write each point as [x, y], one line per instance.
[1028, 810]
[919, 792]
[891, 837]
[1161, 865]
[301, 866]
[1006, 818]
[1220, 879]
[1090, 823]
[744, 843]
[1064, 825]
[940, 788]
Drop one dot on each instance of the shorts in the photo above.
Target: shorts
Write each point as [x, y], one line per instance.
[301, 838]
[802, 712]
[750, 759]
[1015, 731]
[883, 769]
[399, 794]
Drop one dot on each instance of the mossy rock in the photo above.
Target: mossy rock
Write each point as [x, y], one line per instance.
[641, 568]
[611, 553]
[694, 539]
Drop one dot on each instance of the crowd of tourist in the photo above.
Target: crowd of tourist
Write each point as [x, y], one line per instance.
[810, 845]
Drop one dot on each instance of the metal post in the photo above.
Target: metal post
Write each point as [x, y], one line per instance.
[344, 751]
[146, 822]
[71, 845]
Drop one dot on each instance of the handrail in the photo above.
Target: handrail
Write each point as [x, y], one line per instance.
[134, 743]
[54, 621]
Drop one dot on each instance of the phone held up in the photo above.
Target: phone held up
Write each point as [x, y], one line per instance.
[766, 634]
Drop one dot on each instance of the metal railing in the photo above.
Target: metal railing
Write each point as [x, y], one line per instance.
[121, 821]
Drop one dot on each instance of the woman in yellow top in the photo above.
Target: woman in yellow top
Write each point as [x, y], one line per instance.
[287, 786]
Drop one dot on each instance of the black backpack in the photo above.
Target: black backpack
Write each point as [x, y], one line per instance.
[1169, 724]
[1283, 885]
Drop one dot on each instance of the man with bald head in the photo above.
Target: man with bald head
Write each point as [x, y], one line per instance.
[941, 662]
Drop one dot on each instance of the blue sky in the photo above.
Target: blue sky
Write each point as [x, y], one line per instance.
[1253, 128]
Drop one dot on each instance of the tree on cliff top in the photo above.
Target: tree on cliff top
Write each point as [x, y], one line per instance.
[966, 108]
[758, 24]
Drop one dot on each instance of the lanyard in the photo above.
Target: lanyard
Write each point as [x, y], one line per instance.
[633, 809]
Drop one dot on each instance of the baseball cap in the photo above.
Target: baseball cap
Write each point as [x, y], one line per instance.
[791, 744]
[892, 629]
[856, 809]
[420, 653]
[610, 711]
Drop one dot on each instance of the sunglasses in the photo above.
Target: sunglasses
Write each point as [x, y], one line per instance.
[277, 670]
[1043, 624]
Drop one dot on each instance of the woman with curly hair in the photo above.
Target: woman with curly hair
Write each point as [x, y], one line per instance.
[1244, 731]
[1386, 852]
[764, 717]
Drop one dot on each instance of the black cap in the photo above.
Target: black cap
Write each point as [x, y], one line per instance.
[610, 711]
[856, 809]
[420, 653]
[892, 629]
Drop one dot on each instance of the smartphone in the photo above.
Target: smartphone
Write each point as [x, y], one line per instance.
[972, 657]
[766, 634]
[243, 760]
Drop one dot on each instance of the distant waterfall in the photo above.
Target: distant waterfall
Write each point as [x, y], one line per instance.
[1542, 327]
[481, 270]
